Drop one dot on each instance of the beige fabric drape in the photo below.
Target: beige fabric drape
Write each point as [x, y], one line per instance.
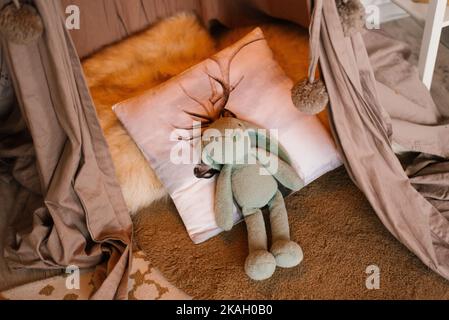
[103, 22]
[64, 204]
[369, 109]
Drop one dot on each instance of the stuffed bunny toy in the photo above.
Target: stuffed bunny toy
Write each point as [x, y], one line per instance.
[249, 173]
[250, 166]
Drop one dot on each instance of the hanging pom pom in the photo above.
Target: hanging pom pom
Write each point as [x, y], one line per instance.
[352, 16]
[310, 97]
[20, 24]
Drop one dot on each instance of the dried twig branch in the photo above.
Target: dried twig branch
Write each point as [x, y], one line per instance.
[215, 105]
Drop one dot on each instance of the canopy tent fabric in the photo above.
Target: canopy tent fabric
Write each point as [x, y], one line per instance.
[62, 197]
[109, 21]
[60, 193]
[370, 109]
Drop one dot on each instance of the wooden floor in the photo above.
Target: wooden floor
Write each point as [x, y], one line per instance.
[409, 31]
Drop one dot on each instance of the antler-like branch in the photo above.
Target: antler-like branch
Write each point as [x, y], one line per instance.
[215, 105]
[215, 95]
[203, 105]
[225, 81]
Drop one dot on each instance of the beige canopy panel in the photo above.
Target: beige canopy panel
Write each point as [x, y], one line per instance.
[109, 21]
[60, 203]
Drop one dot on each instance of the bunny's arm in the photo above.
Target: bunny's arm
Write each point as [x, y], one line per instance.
[280, 170]
[224, 201]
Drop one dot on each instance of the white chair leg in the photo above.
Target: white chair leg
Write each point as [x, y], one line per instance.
[431, 40]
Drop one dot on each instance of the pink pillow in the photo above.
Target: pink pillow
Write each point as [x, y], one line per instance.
[262, 97]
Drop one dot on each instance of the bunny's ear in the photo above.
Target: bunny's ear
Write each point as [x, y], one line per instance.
[262, 139]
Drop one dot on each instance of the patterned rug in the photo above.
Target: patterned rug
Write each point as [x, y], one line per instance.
[145, 283]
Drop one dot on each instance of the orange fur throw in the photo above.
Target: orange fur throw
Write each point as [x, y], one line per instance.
[143, 61]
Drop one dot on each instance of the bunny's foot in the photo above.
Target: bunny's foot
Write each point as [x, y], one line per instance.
[287, 253]
[260, 265]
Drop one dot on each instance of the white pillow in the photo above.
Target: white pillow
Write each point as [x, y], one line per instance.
[262, 98]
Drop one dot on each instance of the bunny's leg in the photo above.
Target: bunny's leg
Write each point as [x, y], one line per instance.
[286, 252]
[260, 264]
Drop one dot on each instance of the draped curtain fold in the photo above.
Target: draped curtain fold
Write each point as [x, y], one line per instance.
[71, 208]
[109, 21]
[377, 100]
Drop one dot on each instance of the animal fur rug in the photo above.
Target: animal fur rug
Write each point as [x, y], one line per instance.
[129, 68]
[146, 60]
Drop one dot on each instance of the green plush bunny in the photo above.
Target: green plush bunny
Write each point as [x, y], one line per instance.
[249, 174]
[250, 166]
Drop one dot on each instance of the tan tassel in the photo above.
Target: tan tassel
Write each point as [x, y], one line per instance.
[352, 16]
[20, 24]
[310, 97]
